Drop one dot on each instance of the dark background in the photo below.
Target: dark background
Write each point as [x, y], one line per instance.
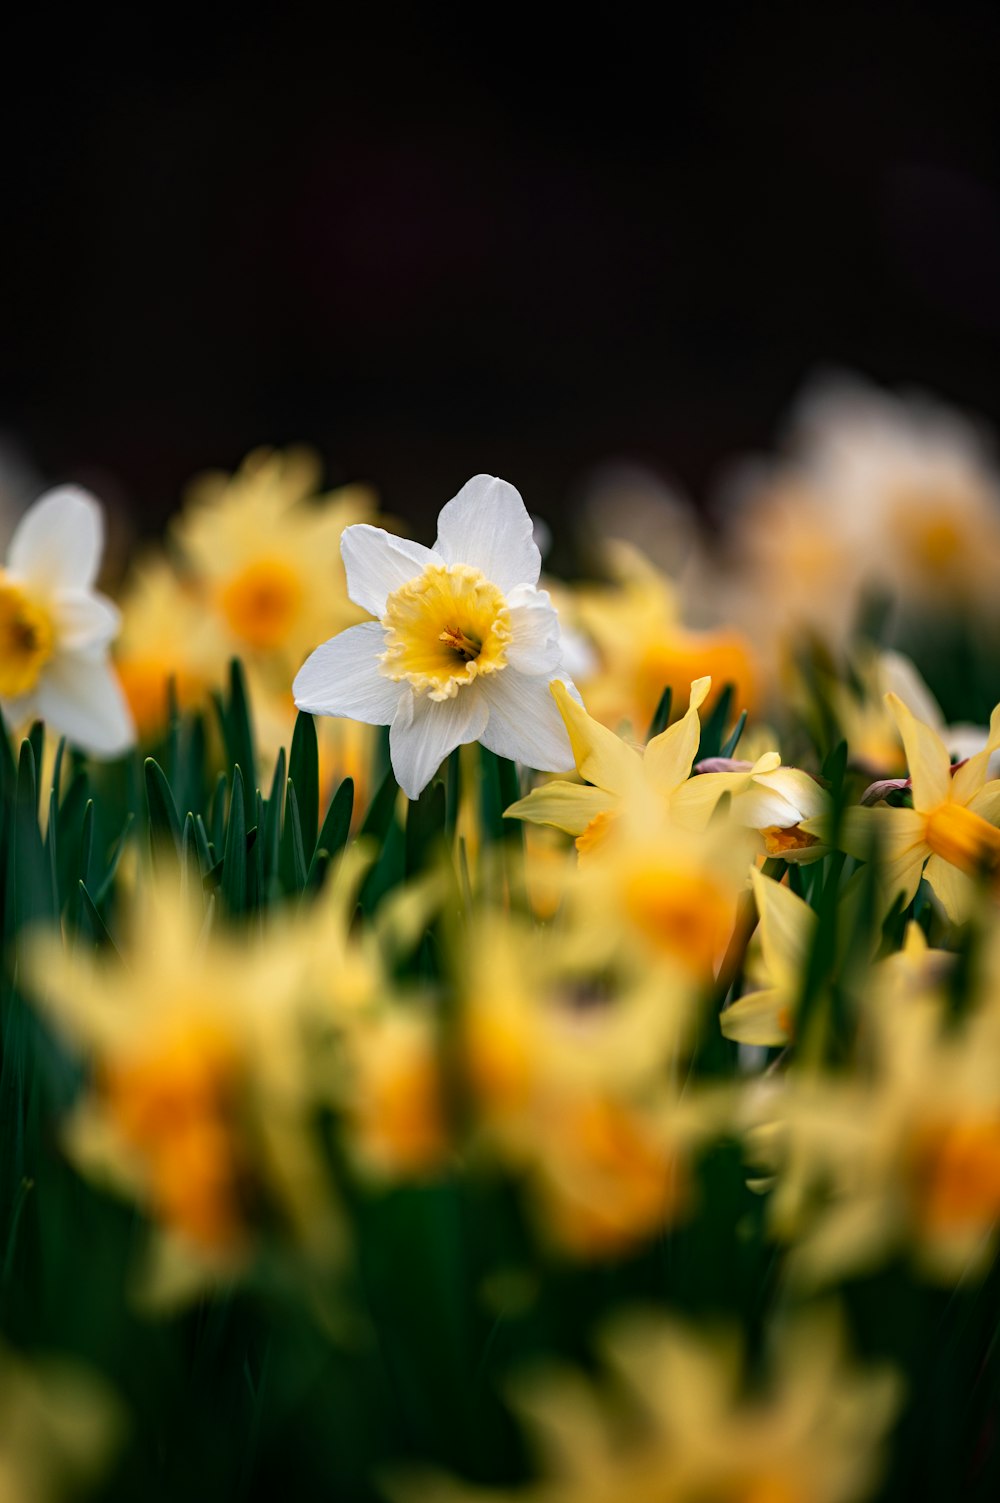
[433, 250]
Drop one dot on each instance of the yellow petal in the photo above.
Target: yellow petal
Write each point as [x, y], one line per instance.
[566, 806]
[601, 757]
[759, 1018]
[927, 759]
[787, 929]
[669, 756]
[970, 777]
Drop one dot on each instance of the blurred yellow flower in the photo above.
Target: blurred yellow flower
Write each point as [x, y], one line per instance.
[682, 1423]
[766, 1013]
[166, 635]
[266, 552]
[643, 646]
[59, 1427]
[201, 1090]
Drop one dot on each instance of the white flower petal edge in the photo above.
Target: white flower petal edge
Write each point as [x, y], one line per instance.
[82, 699]
[525, 724]
[376, 563]
[85, 623]
[487, 525]
[58, 541]
[536, 644]
[424, 732]
[342, 678]
[53, 559]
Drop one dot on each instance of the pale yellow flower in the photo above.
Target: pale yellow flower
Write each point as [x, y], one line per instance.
[265, 551]
[644, 646]
[680, 1424]
[787, 931]
[950, 836]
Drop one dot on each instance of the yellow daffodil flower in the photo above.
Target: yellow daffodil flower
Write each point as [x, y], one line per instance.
[682, 1423]
[617, 772]
[766, 1015]
[950, 836]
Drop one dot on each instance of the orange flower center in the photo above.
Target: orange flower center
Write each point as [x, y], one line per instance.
[261, 603]
[781, 838]
[611, 1182]
[955, 1174]
[27, 639]
[444, 630]
[965, 839]
[683, 912]
[176, 1106]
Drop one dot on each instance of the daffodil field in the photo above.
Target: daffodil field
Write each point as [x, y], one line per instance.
[468, 1034]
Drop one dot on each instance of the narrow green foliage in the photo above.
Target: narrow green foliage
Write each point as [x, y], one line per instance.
[336, 829]
[164, 820]
[217, 813]
[234, 871]
[424, 827]
[291, 860]
[380, 810]
[303, 770]
[34, 895]
[661, 715]
[237, 732]
[91, 923]
[713, 727]
[36, 739]
[728, 748]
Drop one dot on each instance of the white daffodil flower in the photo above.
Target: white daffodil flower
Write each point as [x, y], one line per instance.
[55, 628]
[464, 647]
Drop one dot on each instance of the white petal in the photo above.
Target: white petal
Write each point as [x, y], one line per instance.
[59, 539]
[487, 525]
[759, 807]
[81, 699]
[536, 645]
[378, 563]
[85, 622]
[525, 724]
[342, 678]
[425, 731]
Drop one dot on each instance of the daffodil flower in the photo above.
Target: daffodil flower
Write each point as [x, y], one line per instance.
[787, 930]
[55, 628]
[764, 796]
[464, 645]
[617, 772]
[950, 836]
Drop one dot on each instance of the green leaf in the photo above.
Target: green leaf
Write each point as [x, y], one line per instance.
[661, 715]
[424, 827]
[292, 860]
[381, 809]
[713, 728]
[336, 828]
[217, 816]
[164, 820]
[234, 870]
[91, 920]
[237, 732]
[303, 770]
[734, 740]
[34, 898]
[101, 895]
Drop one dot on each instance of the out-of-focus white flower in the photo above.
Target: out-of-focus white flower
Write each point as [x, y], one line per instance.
[55, 628]
[464, 646]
